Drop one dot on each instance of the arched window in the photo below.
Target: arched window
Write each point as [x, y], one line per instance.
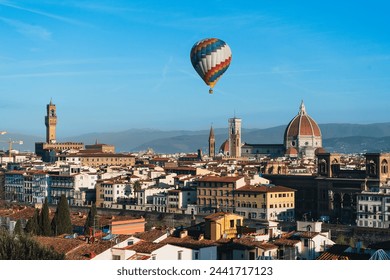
[322, 166]
[384, 167]
[372, 167]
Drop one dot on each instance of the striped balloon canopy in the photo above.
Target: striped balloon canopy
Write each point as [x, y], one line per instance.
[211, 57]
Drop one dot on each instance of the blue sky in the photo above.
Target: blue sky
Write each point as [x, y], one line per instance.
[116, 65]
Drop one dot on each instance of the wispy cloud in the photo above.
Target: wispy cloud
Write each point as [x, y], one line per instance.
[29, 30]
[42, 13]
[164, 72]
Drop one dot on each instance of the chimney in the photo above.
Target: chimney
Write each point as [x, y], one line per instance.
[201, 237]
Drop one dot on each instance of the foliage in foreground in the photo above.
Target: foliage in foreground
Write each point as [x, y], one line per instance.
[22, 247]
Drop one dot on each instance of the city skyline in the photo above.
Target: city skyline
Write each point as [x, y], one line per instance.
[112, 67]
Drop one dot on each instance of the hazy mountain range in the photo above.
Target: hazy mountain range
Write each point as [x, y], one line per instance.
[342, 138]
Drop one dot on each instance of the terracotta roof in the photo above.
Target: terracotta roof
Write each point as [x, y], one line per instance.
[264, 189]
[188, 242]
[60, 244]
[219, 215]
[102, 155]
[17, 213]
[337, 252]
[306, 234]
[145, 247]
[151, 235]
[223, 179]
[139, 257]
[286, 242]
[259, 244]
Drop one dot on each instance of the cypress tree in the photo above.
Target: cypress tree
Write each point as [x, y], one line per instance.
[18, 230]
[45, 227]
[32, 226]
[61, 222]
[90, 221]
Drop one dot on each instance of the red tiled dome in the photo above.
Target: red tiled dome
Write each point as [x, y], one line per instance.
[291, 151]
[224, 147]
[302, 125]
[320, 151]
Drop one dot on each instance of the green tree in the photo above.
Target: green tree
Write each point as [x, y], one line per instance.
[44, 219]
[32, 226]
[341, 239]
[137, 186]
[90, 222]
[24, 248]
[18, 230]
[61, 222]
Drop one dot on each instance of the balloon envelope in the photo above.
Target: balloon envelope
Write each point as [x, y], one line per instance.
[211, 57]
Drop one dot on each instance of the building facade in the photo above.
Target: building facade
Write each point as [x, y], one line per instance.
[216, 193]
[266, 202]
[373, 208]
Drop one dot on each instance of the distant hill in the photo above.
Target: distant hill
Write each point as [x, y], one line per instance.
[343, 138]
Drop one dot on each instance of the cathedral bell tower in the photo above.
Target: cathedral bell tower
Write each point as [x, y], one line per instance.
[211, 143]
[51, 123]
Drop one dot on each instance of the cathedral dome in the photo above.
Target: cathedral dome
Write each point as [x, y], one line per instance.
[303, 134]
[291, 152]
[224, 149]
[302, 124]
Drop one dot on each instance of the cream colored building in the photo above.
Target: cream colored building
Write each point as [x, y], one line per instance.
[99, 159]
[265, 202]
[216, 193]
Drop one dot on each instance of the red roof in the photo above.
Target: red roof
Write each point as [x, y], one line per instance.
[302, 124]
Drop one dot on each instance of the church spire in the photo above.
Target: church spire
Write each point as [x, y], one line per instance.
[211, 132]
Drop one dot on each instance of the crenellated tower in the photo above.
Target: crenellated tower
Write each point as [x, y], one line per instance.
[51, 123]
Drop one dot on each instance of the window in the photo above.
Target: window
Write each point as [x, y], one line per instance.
[232, 223]
[196, 256]
[179, 255]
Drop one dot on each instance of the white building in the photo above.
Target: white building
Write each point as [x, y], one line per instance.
[373, 208]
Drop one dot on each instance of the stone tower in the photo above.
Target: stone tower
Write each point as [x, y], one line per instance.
[51, 122]
[211, 143]
[235, 137]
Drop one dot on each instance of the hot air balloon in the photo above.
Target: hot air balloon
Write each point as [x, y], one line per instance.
[211, 58]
